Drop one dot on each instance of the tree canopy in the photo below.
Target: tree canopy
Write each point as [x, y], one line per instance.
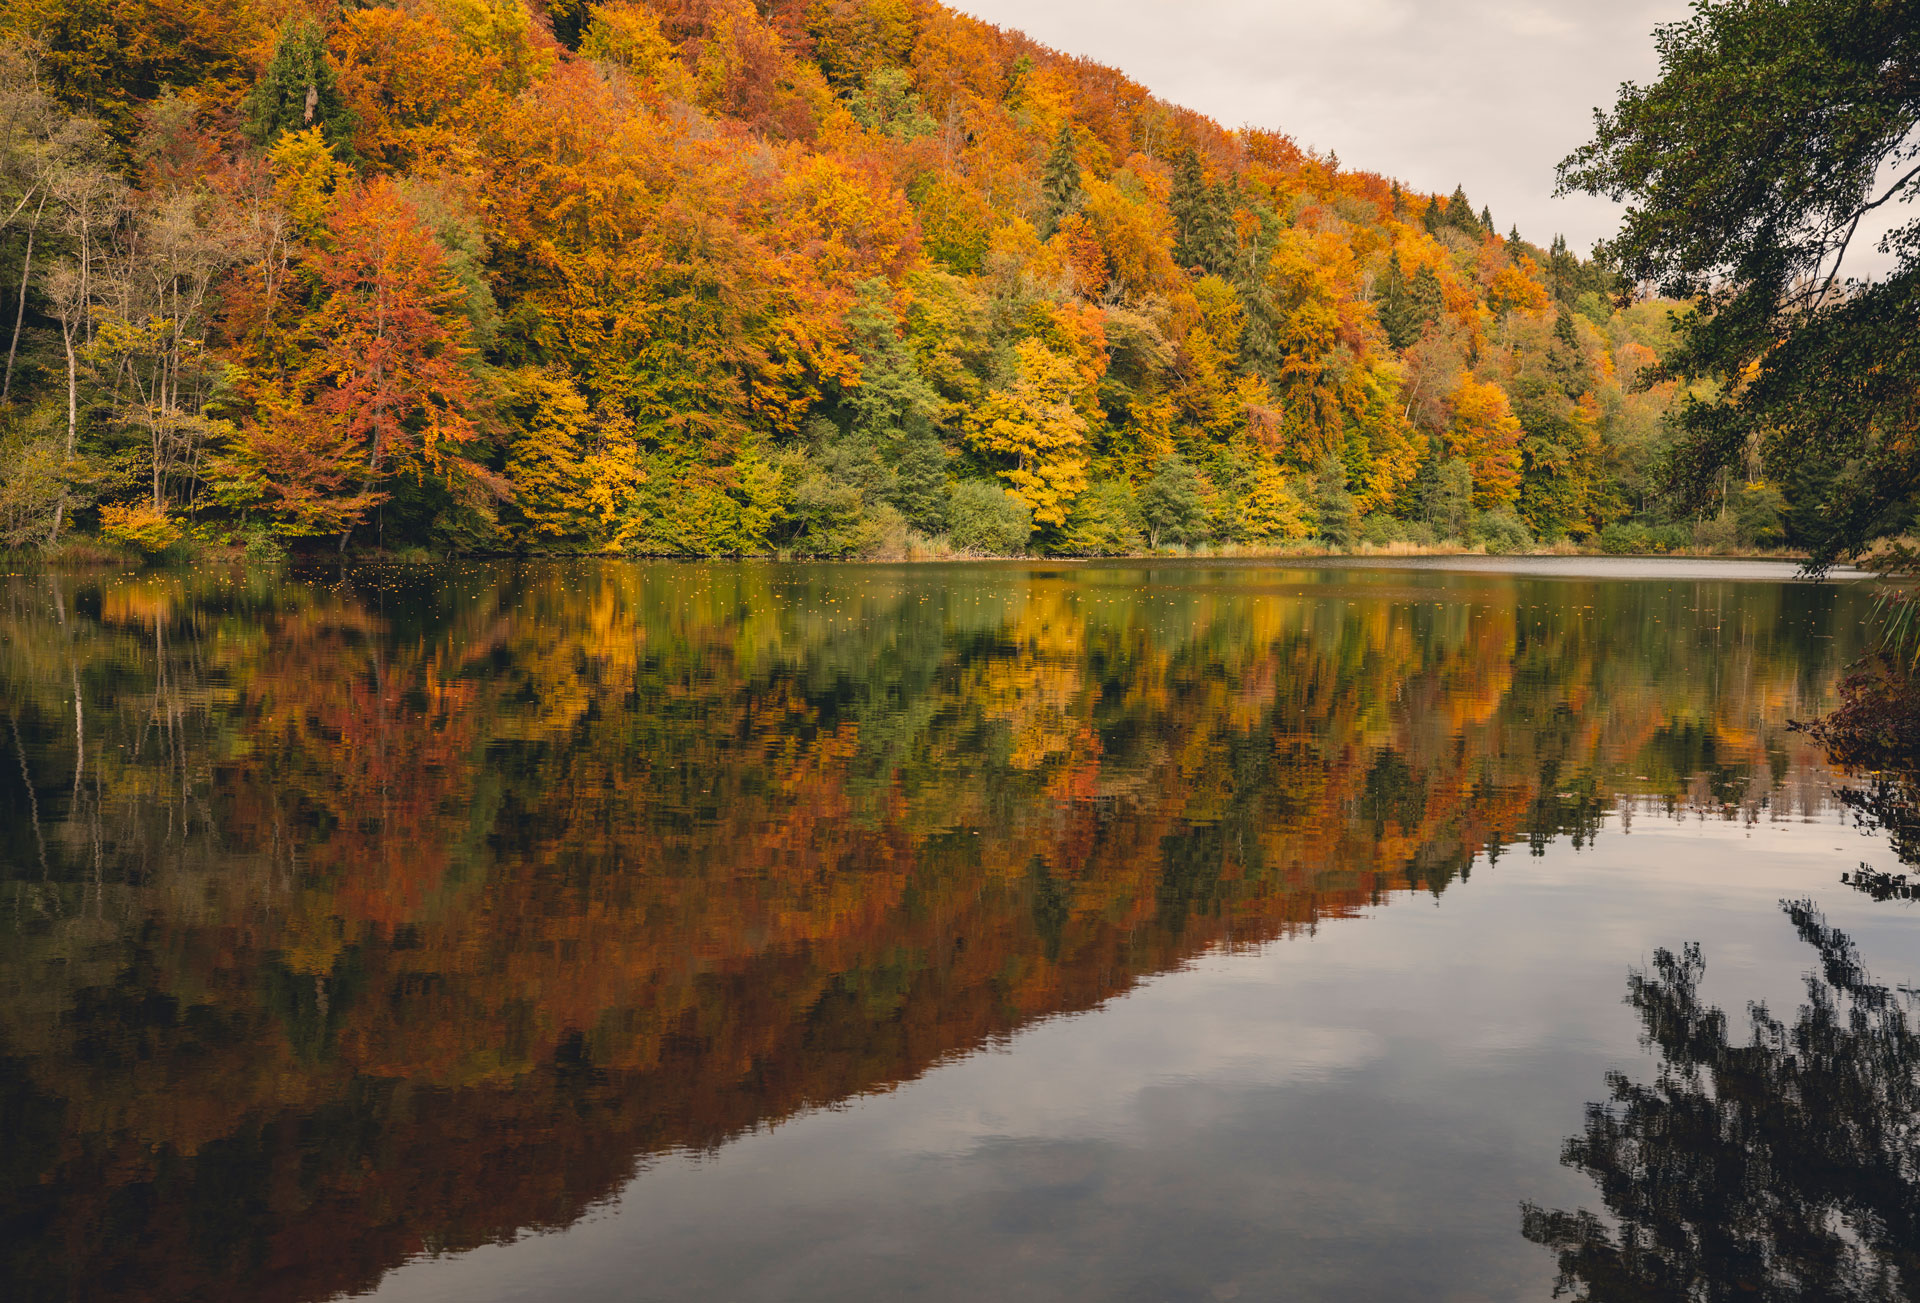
[1776, 135]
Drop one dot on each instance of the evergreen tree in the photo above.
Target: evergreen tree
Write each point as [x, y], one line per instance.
[1460, 212]
[1427, 300]
[1486, 219]
[1567, 359]
[1060, 183]
[892, 395]
[1433, 219]
[298, 90]
[1395, 307]
[1202, 219]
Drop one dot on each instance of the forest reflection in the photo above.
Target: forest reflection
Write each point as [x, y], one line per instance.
[348, 917]
[1782, 1168]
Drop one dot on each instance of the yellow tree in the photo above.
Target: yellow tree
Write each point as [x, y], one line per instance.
[1033, 421]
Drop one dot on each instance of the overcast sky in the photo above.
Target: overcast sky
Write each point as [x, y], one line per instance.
[1489, 94]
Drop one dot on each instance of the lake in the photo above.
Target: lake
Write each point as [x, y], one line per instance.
[1171, 930]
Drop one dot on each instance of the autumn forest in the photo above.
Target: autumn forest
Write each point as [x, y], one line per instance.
[700, 277]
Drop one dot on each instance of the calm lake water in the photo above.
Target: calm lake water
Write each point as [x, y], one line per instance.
[1173, 931]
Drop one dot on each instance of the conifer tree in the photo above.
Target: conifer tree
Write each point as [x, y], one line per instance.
[1203, 219]
[1460, 212]
[298, 90]
[1060, 182]
[1395, 306]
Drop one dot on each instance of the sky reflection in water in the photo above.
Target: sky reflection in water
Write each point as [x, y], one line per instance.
[731, 918]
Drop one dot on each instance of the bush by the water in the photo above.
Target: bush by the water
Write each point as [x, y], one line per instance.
[986, 518]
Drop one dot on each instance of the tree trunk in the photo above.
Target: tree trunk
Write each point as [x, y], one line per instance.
[20, 310]
[73, 423]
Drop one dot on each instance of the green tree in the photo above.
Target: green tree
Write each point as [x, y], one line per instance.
[1060, 182]
[986, 518]
[1203, 234]
[1336, 518]
[1772, 135]
[298, 90]
[1450, 502]
[1171, 504]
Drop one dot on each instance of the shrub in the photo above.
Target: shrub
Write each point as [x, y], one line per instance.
[139, 526]
[1622, 538]
[1500, 530]
[1102, 522]
[984, 517]
[1718, 534]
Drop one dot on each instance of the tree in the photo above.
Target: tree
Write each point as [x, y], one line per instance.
[1450, 503]
[1060, 188]
[1033, 421]
[1202, 219]
[1336, 518]
[384, 390]
[298, 90]
[1171, 503]
[1773, 136]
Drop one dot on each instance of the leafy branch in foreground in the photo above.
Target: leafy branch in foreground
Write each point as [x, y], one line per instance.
[1776, 134]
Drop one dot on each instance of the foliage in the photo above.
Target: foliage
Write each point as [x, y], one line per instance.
[1772, 134]
[985, 518]
[480, 274]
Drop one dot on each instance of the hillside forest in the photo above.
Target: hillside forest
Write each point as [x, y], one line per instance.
[802, 277]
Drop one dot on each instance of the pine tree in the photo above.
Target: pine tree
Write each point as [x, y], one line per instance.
[1394, 306]
[1426, 297]
[1060, 183]
[1433, 219]
[1486, 219]
[1203, 219]
[298, 90]
[1567, 358]
[1460, 212]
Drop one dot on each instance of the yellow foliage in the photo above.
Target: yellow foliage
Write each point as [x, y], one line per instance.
[140, 526]
[1034, 421]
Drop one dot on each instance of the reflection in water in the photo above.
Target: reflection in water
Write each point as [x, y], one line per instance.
[1786, 1168]
[350, 919]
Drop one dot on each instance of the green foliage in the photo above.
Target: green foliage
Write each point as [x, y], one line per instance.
[985, 518]
[1171, 505]
[1060, 188]
[1748, 168]
[1500, 531]
[1336, 518]
[298, 90]
[1202, 213]
[1759, 514]
[1450, 502]
[886, 103]
[1104, 521]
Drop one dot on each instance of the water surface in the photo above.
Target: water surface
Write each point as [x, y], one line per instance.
[1019, 931]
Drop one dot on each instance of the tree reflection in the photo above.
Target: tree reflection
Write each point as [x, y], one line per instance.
[401, 913]
[1784, 1168]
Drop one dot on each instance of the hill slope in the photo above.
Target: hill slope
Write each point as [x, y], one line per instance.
[699, 278]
